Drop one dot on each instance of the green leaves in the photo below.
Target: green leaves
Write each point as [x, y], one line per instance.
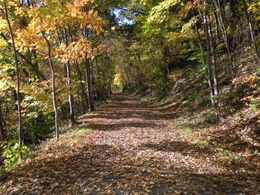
[13, 152]
[161, 12]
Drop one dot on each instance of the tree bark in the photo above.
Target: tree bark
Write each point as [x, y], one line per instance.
[2, 124]
[89, 94]
[68, 82]
[82, 91]
[222, 25]
[211, 56]
[56, 124]
[19, 127]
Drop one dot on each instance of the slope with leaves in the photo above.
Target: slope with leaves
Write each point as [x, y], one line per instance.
[130, 149]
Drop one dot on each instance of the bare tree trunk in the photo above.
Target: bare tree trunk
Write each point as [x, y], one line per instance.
[2, 124]
[56, 124]
[19, 128]
[199, 40]
[224, 34]
[213, 59]
[217, 27]
[82, 91]
[211, 56]
[68, 82]
[90, 103]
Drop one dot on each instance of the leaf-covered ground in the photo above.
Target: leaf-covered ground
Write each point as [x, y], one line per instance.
[131, 149]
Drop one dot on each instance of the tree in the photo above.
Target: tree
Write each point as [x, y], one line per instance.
[211, 55]
[18, 98]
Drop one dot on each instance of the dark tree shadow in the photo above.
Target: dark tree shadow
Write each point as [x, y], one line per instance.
[199, 151]
[184, 148]
[103, 169]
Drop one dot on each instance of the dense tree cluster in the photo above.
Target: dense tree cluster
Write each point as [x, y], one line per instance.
[170, 34]
[58, 57]
[54, 64]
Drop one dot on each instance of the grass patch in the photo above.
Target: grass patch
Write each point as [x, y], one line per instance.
[198, 136]
[76, 132]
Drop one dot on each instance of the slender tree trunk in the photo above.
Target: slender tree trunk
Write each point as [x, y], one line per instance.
[2, 124]
[200, 45]
[251, 30]
[68, 82]
[19, 128]
[88, 84]
[82, 91]
[56, 124]
[217, 27]
[213, 59]
[220, 16]
[211, 66]
[90, 103]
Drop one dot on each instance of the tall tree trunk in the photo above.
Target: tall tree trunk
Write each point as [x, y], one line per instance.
[68, 82]
[89, 94]
[217, 27]
[213, 59]
[87, 67]
[200, 45]
[82, 91]
[211, 56]
[56, 124]
[19, 127]
[220, 16]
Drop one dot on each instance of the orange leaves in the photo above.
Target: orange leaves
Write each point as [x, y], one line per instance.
[77, 50]
[88, 18]
[251, 79]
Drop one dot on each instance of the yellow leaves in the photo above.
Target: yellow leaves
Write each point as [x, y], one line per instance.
[254, 9]
[117, 79]
[175, 75]
[13, 3]
[81, 3]
[3, 43]
[3, 25]
[160, 12]
[89, 19]
[3, 84]
[77, 50]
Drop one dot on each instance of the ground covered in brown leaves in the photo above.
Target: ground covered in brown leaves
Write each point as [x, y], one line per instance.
[131, 148]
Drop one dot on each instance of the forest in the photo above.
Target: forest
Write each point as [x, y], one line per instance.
[190, 67]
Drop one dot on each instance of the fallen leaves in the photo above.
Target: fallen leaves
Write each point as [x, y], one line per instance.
[130, 150]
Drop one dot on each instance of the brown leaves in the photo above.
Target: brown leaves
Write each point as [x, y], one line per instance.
[128, 151]
[251, 79]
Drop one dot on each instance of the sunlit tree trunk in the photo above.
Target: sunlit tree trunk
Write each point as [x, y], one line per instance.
[216, 27]
[19, 127]
[211, 56]
[56, 124]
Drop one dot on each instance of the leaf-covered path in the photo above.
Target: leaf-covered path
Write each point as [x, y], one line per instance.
[131, 149]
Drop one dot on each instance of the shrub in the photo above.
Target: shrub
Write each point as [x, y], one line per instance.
[13, 153]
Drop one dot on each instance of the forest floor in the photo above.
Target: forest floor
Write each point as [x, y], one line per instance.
[131, 147]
